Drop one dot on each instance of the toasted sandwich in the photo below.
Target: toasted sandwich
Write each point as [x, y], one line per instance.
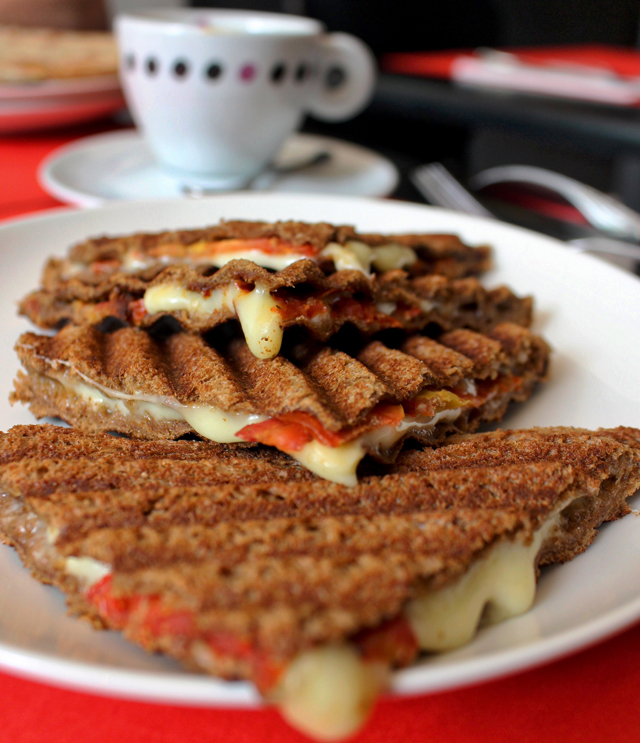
[240, 563]
[273, 276]
[324, 407]
[266, 303]
[273, 246]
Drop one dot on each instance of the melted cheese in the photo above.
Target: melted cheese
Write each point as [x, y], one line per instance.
[273, 261]
[358, 256]
[96, 397]
[218, 425]
[328, 692]
[339, 463]
[174, 297]
[257, 311]
[390, 257]
[211, 422]
[334, 463]
[86, 570]
[134, 262]
[260, 320]
[387, 308]
[157, 410]
[500, 586]
[352, 256]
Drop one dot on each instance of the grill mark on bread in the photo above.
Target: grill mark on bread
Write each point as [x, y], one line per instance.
[338, 389]
[76, 510]
[308, 562]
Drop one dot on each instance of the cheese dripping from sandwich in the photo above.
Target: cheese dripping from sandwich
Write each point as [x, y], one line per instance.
[332, 456]
[328, 691]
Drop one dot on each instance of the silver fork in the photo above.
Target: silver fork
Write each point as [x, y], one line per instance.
[440, 188]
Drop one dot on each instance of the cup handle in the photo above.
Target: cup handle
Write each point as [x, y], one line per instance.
[347, 79]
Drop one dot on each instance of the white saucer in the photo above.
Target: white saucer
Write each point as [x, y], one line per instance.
[118, 166]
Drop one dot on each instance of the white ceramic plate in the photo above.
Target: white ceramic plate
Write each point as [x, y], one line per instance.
[587, 309]
[118, 166]
[19, 115]
[48, 103]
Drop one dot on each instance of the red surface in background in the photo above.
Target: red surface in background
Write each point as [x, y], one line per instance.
[20, 156]
[620, 60]
[588, 698]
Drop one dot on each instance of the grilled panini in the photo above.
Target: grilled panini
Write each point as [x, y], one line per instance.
[273, 246]
[266, 303]
[324, 407]
[312, 590]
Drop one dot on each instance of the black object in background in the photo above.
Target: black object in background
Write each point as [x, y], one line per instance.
[411, 25]
[472, 128]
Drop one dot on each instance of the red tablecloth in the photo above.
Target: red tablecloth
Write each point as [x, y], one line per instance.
[587, 698]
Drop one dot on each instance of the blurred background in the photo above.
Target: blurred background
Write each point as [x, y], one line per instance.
[422, 112]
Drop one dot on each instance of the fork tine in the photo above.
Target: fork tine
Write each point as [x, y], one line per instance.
[439, 187]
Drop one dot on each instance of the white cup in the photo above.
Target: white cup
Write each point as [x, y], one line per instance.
[216, 93]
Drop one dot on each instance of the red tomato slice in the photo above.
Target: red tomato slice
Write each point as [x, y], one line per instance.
[393, 642]
[106, 266]
[293, 307]
[268, 245]
[266, 670]
[152, 619]
[386, 414]
[364, 310]
[116, 610]
[291, 431]
[137, 310]
[159, 621]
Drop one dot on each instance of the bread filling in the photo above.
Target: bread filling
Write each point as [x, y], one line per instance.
[262, 315]
[270, 253]
[500, 586]
[340, 463]
[337, 463]
[211, 422]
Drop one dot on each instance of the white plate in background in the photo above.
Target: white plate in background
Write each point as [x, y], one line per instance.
[588, 310]
[52, 89]
[118, 166]
[44, 104]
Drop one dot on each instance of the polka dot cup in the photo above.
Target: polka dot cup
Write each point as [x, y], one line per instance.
[217, 92]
